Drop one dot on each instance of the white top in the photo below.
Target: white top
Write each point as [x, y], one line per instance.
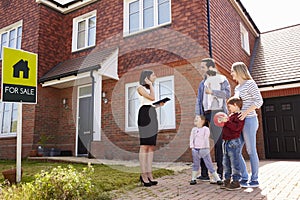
[144, 100]
[250, 95]
[211, 102]
[199, 137]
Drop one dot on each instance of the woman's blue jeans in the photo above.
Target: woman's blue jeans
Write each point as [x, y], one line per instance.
[248, 137]
[231, 159]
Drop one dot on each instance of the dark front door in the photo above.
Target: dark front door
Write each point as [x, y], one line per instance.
[84, 126]
[281, 122]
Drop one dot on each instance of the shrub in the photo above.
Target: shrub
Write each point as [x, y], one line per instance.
[59, 183]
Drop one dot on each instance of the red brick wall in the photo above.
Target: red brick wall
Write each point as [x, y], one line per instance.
[226, 37]
[12, 12]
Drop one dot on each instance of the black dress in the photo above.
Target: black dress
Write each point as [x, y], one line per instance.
[148, 125]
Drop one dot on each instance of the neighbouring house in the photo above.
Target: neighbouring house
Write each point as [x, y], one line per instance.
[90, 55]
[276, 68]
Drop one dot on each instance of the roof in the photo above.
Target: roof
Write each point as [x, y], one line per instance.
[78, 65]
[277, 59]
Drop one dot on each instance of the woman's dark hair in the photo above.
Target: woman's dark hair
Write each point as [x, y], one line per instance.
[144, 74]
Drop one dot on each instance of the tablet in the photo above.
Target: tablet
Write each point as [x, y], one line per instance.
[164, 100]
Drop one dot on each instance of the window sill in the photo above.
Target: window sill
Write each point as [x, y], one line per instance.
[7, 136]
[126, 34]
[82, 49]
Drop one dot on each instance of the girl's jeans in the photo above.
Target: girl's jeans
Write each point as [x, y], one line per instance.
[205, 155]
[248, 137]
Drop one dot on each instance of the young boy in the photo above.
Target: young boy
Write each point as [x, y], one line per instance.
[232, 145]
[199, 143]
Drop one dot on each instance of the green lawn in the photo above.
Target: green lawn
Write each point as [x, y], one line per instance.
[106, 178]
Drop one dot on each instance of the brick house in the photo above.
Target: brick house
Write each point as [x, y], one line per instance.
[90, 55]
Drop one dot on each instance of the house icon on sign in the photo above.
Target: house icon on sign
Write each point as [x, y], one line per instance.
[21, 66]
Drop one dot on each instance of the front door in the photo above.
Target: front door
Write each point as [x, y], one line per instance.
[281, 122]
[84, 126]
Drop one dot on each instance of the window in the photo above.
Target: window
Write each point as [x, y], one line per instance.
[164, 87]
[11, 36]
[84, 31]
[141, 15]
[245, 39]
[8, 119]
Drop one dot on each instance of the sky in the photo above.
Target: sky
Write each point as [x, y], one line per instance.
[273, 14]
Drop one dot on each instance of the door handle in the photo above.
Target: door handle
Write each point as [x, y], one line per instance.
[86, 132]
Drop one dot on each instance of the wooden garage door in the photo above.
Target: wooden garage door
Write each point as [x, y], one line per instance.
[281, 123]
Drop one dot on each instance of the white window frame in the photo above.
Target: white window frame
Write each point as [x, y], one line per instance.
[76, 21]
[127, 127]
[17, 36]
[245, 39]
[9, 113]
[170, 105]
[126, 22]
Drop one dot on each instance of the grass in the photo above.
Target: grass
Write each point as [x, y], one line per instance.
[108, 179]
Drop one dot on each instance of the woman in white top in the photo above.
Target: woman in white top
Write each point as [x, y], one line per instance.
[248, 91]
[148, 126]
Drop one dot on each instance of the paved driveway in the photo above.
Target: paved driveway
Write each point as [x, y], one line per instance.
[278, 180]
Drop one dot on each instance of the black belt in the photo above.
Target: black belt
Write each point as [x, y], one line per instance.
[207, 112]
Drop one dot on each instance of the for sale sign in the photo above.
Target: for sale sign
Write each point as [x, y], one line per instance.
[19, 76]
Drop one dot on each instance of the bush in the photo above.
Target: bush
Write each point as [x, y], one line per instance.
[59, 183]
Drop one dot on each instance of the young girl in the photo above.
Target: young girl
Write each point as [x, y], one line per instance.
[199, 143]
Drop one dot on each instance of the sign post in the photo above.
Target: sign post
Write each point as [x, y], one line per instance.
[19, 84]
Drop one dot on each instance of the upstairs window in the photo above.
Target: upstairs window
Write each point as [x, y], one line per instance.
[245, 39]
[8, 119]
[11, 36]
[84, 31]
[164, 87]
[142, 15]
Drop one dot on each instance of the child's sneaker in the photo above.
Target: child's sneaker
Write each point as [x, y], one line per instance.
[244, 183]
[193, 182]
[225, 184]
[203, 178]
[253, 184]
[234, 185]
[216, 179]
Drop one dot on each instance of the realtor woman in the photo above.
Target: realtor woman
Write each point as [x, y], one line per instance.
[148, 126]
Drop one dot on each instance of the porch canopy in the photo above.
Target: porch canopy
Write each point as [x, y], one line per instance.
[96, 66]
[76, 71]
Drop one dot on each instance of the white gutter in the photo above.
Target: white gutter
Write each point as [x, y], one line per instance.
[279, 87]
[70, 8]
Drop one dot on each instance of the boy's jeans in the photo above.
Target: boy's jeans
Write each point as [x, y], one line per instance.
[231, 159]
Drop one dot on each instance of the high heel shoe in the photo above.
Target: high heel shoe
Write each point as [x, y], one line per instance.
[148, 184]
[152, 182]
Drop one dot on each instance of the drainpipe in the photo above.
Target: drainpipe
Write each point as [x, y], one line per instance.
[92, 113]
[257, 39]
[208, 27]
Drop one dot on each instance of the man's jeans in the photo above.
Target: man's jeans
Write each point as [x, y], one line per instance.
[231, 159]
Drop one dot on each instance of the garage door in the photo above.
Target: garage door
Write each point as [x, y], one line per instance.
[281, 123]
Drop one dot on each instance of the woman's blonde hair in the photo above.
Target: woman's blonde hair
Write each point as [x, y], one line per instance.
[241, 70]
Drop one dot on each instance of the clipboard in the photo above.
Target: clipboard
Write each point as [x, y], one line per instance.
[164, 100]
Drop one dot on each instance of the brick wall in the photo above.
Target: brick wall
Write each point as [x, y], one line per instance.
[226, 36]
